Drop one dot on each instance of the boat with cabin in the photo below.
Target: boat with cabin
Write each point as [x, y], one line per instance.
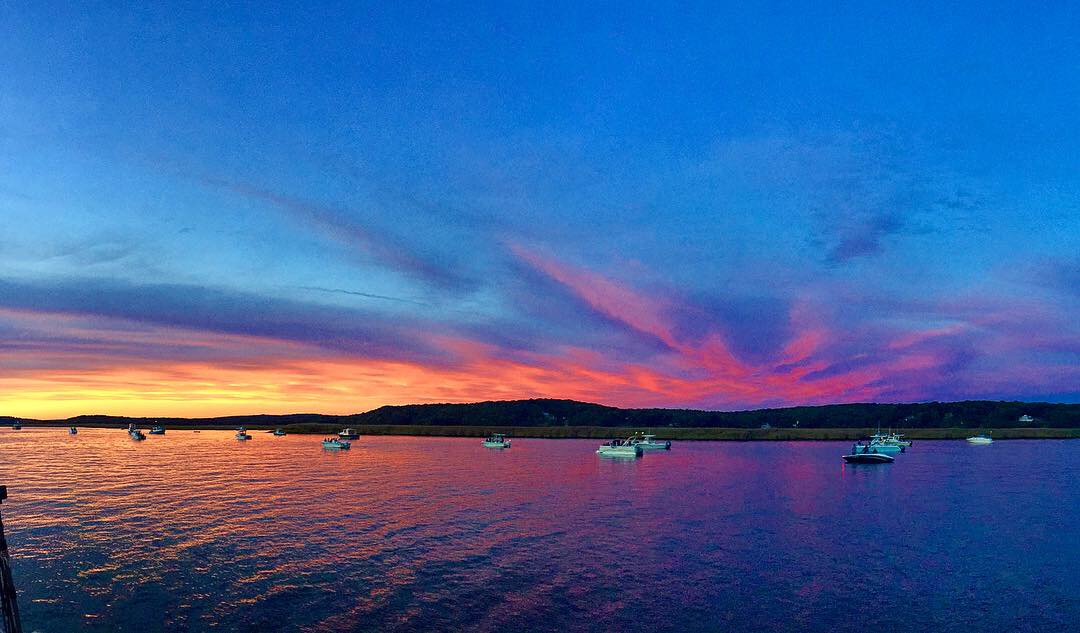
[882, 447]
[134, 432]
[620, 448]
[157, 429]
[886, 443]
[279, 432]
[496, 440]
[16, 427]
[648, 442]
[349, 434]
[242, 434]
[981, 438]
[73, 431]
[895, 439]
[863, 453]
[336, 444]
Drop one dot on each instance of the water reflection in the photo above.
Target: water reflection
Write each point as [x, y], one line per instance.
[188, 532]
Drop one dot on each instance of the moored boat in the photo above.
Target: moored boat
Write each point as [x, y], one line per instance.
[73, 430]
[878, 442]
[867, 454]
[496, 440]
[134, 432]
[16, 427]
[242, 434]
[648, 442]
[157, 429]
[982, 438]
[619, 448]
[279, 432]
[896, 439]
[348, 434]
[336, 444]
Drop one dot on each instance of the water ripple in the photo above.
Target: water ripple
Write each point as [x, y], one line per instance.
[195, 532]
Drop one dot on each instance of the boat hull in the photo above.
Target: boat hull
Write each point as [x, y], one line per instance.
[980, 440]
[619, 451]
[496, 444]
[655, 446]
[868, 458]
[335, 446]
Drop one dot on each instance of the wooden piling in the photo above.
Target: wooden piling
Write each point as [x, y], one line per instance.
[9, 608]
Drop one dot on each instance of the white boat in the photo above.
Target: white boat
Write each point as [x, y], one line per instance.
[242, 434]
[648, 442]
[895, 439]
[279, 432]
[336, 444]
[157, 429]
[982, 438]
[73, 430]
[496, 440]
[867, 454]
[881, 447]
[135, 433]
[348, 434]
[619, 448]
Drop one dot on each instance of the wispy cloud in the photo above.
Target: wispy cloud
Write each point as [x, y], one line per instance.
[348, 331]
[856, 192]
[343, 226]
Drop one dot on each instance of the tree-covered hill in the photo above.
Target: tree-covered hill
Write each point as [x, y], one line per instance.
[975, 413]
[548, 413]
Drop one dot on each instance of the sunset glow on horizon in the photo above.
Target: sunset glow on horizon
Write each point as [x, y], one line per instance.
[331, 210]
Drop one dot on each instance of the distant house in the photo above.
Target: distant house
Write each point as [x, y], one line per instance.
[1026, 418]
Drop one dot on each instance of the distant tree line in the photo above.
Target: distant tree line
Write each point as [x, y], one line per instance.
[553, 413]
[974, 413]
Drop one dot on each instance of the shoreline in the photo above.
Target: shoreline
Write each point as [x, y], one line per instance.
[607, 432]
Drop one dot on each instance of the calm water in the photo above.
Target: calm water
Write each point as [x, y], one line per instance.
[195, 531]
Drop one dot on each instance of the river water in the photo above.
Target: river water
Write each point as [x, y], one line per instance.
[196, 531]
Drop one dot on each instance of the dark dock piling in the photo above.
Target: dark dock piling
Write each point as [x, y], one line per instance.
[9, 608]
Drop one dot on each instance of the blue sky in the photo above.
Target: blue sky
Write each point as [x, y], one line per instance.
[714, 206]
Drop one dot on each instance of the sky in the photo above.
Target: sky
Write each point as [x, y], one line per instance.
[227, 208]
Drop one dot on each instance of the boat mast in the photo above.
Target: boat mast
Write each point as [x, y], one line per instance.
[9, 608]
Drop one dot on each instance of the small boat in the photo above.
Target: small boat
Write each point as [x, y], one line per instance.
[867, 454]
[982, 438]
[336, 444]
[279, 432]
[648, 442]
[16, 427]
[157, 429]
[496, 440]
[619, 448]
[891, 438]
[885, 444]
[242, 434]
[73, 431]
[348, 434]
[135, 433]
